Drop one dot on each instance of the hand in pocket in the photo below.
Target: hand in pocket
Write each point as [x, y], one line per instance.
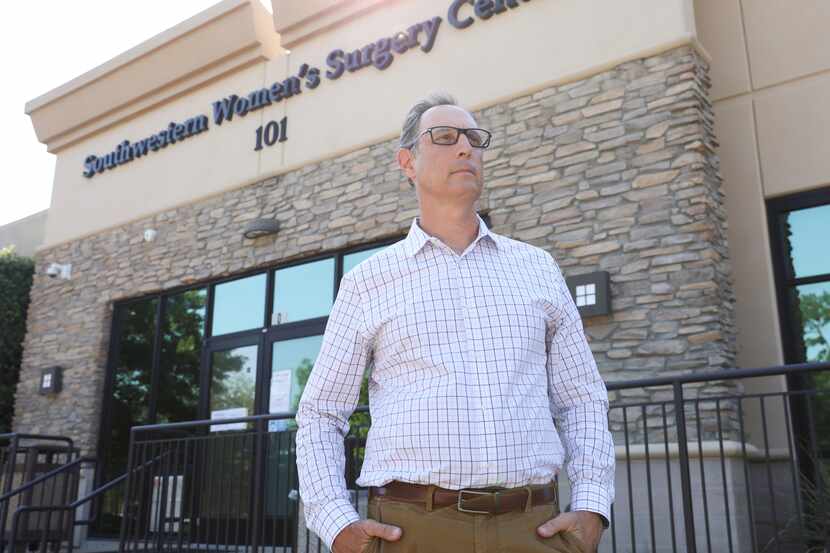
[583, 527]
[358, 536]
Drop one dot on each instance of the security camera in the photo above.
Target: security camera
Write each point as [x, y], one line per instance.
[56, 270]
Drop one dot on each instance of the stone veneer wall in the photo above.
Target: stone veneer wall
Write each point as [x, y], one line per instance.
[616, 172]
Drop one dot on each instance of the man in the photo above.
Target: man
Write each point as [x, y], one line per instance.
[477, 348]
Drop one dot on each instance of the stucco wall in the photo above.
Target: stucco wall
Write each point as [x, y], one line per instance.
[25, 234]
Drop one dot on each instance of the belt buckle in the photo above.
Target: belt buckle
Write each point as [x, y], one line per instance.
[471, 492]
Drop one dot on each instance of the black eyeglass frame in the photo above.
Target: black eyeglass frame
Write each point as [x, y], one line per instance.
[459, 132]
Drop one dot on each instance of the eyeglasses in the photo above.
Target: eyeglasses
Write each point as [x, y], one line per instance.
[447, 136]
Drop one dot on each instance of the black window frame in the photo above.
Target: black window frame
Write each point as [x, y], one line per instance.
[785, 281]
[791, 330]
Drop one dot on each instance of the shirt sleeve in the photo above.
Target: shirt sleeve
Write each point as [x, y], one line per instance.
[329, 399]
[579, 406]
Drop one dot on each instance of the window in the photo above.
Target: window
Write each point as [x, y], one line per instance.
[809, 275]
[180, 356]
[233, 385]
[239, 305]
[303, 292]
[291, 364]
[799, 232]
[129, 397]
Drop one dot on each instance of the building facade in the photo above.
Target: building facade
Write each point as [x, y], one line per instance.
[657, 143]
[25, 234]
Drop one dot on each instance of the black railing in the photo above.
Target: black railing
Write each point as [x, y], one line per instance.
[703, 465]
[48, 523]
[44, 506]
[717, 469]
[31, 477]
[59, 520]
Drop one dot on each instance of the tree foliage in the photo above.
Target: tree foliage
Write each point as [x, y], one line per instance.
[815, 320]
[15, 283]
[815, 317]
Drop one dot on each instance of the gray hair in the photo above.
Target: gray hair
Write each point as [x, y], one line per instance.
[412, 123]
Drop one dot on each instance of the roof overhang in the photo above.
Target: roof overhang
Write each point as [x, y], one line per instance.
[297, 21]
[227, 37]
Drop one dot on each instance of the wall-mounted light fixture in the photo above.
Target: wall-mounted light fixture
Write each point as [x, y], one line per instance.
[591, 293]
[261, 227]
[50, 381]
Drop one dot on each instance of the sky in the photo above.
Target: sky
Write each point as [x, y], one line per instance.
[45, 44]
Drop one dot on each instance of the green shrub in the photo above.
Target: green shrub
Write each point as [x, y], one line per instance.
[15, 282]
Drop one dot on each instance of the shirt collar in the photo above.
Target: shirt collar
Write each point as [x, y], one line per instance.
[417, 237]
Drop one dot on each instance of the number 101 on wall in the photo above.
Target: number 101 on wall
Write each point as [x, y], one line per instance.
[271, 133]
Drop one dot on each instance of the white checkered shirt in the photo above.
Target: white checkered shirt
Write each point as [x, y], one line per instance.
[473, 357]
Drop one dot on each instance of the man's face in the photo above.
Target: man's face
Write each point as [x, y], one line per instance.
[445, 172]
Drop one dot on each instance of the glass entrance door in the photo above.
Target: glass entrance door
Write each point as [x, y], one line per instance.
[233, 384]
[225, 452]
[289, 364]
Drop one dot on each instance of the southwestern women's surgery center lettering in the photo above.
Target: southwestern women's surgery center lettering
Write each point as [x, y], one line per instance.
[125, 152]
[380, 53]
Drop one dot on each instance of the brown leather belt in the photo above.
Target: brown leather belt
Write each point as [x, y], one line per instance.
[478, 501]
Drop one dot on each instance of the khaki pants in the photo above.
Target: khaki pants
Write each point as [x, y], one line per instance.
[446, 530]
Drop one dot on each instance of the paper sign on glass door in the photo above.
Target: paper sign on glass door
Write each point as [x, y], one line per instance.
[280, 399]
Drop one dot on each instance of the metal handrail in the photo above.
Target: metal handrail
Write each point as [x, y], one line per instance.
[107, 487]
[73, 506]
[45, 508]
[43, 477]
[13, 448]
[32, 509]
